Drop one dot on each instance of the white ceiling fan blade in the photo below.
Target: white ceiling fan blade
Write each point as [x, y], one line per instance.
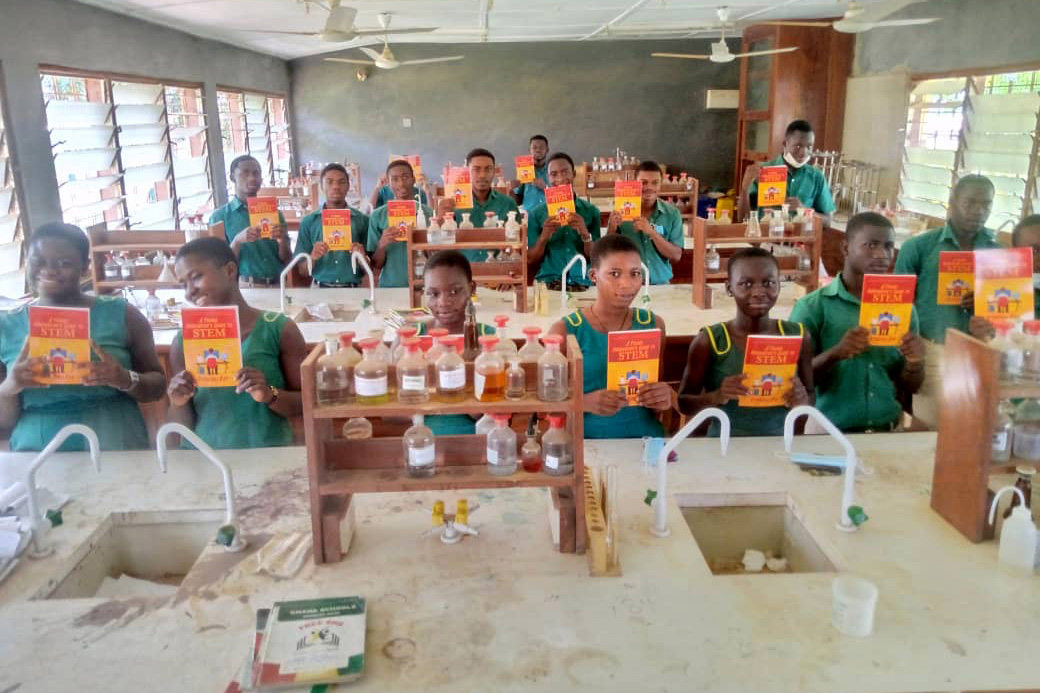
[348, 60]
[784, 22]
[680, 55]
[775, 50]
[283, 33]
[380, 32]
[904, 22]
[375, 55]
[431, 60]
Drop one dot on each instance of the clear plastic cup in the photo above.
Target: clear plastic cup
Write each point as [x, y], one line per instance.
[854, 602]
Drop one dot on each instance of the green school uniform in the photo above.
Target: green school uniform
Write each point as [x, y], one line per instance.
[806, 183]
[667, 219]
[531, 195]
[112, 414]
[498, 203]
[630, 421]
[226, 420]
[258, 259]
[334, 266]
[386, 193]
[395, 269]
[564, 244]
[920, 256]
[860, 392]
[726, 360]
[453, 424]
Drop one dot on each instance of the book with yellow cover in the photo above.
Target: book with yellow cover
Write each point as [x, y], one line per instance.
[770, 366]
[628, 198]
[335, 229]
[412, 159]
[559, 201]
[633, 360]
[459, 187]
[886, 306]
[772, 186]
[1004, 283]
[525, 168]
[400, 217]
[212, 344]
[61, 338]
[956, 276]
[263, 213]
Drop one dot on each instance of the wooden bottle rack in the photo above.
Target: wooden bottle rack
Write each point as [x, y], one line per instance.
[970, 391]
[493, 274]
[338, 468]
[729, 236]
[103, 242]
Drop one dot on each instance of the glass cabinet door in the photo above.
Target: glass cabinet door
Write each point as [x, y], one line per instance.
[759, 76]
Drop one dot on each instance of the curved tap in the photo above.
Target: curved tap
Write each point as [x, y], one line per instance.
[355, 258]
[563, 277]
[288, 268]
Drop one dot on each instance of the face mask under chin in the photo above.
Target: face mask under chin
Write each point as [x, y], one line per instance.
[795, 163]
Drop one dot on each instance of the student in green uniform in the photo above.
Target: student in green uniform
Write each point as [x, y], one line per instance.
[857, 385]
[256, 412]
[389, 255]
[806, 186]
[1025, 235]
[714, 375]
[618, 276]
[448, 288]
[530, 195]
[486, 199]
[261, 260]
[332, 269]
[123, 371]
[383, 193]
[552, 245]
[970, 205]
[657, 231]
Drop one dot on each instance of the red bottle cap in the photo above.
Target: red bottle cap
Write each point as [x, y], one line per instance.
[346, 338]
[438, 332]
[501, 320]
[448, 341]
[488, 342]
[532, 330]
[370, 343]
[556, 420]
[411, 344]
[406, 332]
[557, 339]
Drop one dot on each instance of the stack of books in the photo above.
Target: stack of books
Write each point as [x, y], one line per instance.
[397, 318]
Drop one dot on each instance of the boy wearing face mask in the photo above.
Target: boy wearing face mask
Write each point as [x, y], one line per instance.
[806, 186]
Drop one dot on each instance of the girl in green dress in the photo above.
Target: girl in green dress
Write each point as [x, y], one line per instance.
[714, 369]
[123, 370]
[256, 412]
[616, 271]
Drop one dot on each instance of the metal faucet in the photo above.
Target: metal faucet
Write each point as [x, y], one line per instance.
[228, 535]
[40, 547]
[288, 268]
[563, 278]
[848, 521]
[355, 258]
[660, 500]
[646, 282]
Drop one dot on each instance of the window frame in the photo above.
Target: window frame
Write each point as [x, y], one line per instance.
[11, 175]
[269, 166]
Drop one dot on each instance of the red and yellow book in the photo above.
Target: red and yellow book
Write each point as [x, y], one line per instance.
[956, 276]
[525, 168]
[412, 159]
[263, 213]
[1004, 283]
[335, 229]
[770, 366]
[559, 201]
[400, 217]
[212, 344]
[61, 338]
[772, 186]
[633, 360]
[459, 187]
[886, 306]
[628, 198]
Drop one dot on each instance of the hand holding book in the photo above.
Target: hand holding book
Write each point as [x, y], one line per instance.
[107, 371]
[21, 374]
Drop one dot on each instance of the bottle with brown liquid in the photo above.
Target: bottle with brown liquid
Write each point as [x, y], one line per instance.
[489, 372]
[471, 333]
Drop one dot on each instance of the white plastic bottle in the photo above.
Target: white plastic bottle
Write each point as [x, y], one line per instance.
[1018, 550]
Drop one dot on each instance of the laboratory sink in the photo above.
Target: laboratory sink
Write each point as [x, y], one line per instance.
[323, 312]
[726, 525]
[157, 547]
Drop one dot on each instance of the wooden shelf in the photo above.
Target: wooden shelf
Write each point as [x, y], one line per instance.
[475, 245]
[137, 247]
[342, 481]
[486, 278]
[528, 405]
[1012, 390]
[103, 241]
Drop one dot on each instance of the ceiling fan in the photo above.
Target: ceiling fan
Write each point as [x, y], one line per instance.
[386, 59]
[339, 27]
[859, 18]
[720, 52]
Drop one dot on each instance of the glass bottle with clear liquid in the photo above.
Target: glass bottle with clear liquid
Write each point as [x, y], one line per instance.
[753, 229]
[501, 448]
[434, 352]
[448, 229]
[1003, 432]
[451, 372]
[531, 452]
[516, 380]
[420, 449]
[712, 260]
[331, 378]
[532, 350]
[505, 346]
[1026, 442]
[552, 371]
[489, 372]
[370, 375]
[412, 374]
[466, 224]
[433, 233]
[557, 448]
[776, 224]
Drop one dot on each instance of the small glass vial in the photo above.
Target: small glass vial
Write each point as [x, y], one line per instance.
[501, 448]
[420, 449]
[531, 452]
[753, 229]
[489, 372]
[513, 227]
[451, 372]
[712, 260]
[532, 349]
[808, 219]
[1003, 432]
[552, 371]
[804, 259]
[412, 375]
[505, 346]
[370, 375]
[557, 448]
[419, 266]
[331, 380]
[516, 380]
[433, 233]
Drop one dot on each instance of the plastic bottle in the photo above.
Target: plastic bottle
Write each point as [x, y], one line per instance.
[532, 350]
[111, 269]
[512, 227]
[451, 372]
[331, 380]
[516, 380]
[712, 260]
[557, 448]
[489, 372]
[420, 449]
[531, 452]
[1003, 432]
[501, 447]
[370, 375]
[552, 371]
[412, 375]
[505, 346]
[753, 229]
[1017, 553]
[1011, 353]
[466, 224]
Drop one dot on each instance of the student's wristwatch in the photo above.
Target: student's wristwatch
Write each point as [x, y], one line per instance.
[135, 378]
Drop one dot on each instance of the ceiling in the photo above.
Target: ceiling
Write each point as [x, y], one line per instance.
[460, 21]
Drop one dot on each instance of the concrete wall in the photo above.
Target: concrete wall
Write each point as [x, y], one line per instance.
[72, 35]
[588, 98]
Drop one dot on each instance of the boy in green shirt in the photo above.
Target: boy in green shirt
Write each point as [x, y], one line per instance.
[857, 385]
[486, 199]
[332, 268]
[530, 195]
[657, 231]
[389, 255]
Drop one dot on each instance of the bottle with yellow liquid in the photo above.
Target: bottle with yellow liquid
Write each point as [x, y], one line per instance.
[370, 375]
[489, 372]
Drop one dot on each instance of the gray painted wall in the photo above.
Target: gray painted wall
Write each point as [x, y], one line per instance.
[972, 34]
[69, 34]
[588, 98]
